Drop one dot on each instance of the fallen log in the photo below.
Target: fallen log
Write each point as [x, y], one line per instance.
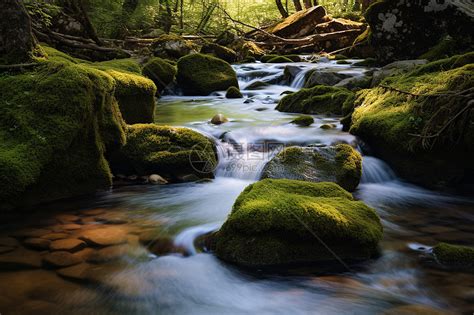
[309, 40]
[300, 23]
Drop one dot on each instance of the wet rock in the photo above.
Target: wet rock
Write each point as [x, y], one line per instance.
[156, 179]
[61, 259]
[341, 164]
[257, 85]
[290, 72]
[67, 218]
[37, 243]
[70, 227]
[105, 236]
[85, 253]
[25, 233]
[454, 256]
[69, 245]
[108, 254]
[326, 126]
[162, 246]
[55, 236]
[90, 273]
[112, 218]
[189, 178]
[149, 236]
[415, 309]
[20, 259]
[394, 68]
[219, 119]
[233, 92]
[355, 83]
[323, 78]
[303, 121]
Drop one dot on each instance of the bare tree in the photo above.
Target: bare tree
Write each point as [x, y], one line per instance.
[17, 41]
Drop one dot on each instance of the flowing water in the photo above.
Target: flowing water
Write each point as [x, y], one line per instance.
[192, 282]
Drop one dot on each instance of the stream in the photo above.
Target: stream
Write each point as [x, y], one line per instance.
[193, 282]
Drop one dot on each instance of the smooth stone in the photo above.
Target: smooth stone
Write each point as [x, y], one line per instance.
[85, 253]
[71, 227]
[90, 273]
[88, 220]
[108, 254]
[61, 259]
[20, 259]
[67, 218]
[8, 241]
[415, 309]
[326, 126]
[37, 243]
[156, 179]
[105, 236]
[147, 237]
[112, 218]
[55, 236]
[162, 246]
[219, 119]
[26, 233]
[93, 212]
[69, 245]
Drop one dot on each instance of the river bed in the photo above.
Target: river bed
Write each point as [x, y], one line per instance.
[188, 281]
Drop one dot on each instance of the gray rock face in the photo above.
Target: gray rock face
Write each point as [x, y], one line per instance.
[395, 68]
[354, 83]
[340, 164]
[323, 78]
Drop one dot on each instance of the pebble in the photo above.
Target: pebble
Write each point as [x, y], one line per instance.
[20, 259]
[61, 259]
[71, 227]
[37, 243]
[69, 245]
[105, 236]
[55, 236]
[25, 233]
[108, 254]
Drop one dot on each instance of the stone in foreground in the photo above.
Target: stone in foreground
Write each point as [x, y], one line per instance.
[274, 222]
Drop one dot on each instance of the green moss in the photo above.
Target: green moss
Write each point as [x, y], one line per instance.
[272, 223]
[52, 54]
[369, 62]
[280, 59]
[349, 170]
[200, 74]
[303, 120]
[159, 71]
[266, 58]
[340, 57]
[219, 51]
[128, 65]
[168, 151]
[233, 92]
[294, 58]
[454, 255]
[387, 120]
[317, 100]
[57, 124]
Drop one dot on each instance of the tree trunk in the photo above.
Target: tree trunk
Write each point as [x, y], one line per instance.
[17, 42]
[307, 4]
[128, 7]
[297, 4]
[281, 8]
[315, 2]
[79, 13]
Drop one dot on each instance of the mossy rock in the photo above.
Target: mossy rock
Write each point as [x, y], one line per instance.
[266, 58]
[219, 51]
[233, 92]
[340, 164]
[340, 57]
[454, 256]
[387, 120]
[172, 46]
[317, 100]
[368, 62]
[272, 223]
[304, 121]
[160, 71]
[58, 122]
[168, 151]
[200, 74]
[343, 62]
[280, 59]
[445, 48]
[128, 65]
[294, 58]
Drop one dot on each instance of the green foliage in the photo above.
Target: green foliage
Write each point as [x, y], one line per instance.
[57, 124]
[168, 151]
[42, 11]
[160, 71]
[200, 74]
[272, 222]
[317, 100]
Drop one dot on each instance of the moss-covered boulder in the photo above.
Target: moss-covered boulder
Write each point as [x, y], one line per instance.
[200, 74]
[57, 123]
[340, 164]
[233, 92]
[160, 71]
[395, 26]
[454, 256]
[303, 121]
[172, 46]
[219, 51]
[420, 121]
[274, 222]
[168, 151]
[317, 100]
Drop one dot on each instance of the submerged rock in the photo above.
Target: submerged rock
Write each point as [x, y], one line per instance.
[318, 100]
[303, 121]
[233, 92]
[272, 223]
[454, 256]
[200, 74]
[169, 151]
[340, 164]
[323, 78]
[219, 119]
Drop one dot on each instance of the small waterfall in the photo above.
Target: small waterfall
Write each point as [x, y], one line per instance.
[376, 171]
[298, 81]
